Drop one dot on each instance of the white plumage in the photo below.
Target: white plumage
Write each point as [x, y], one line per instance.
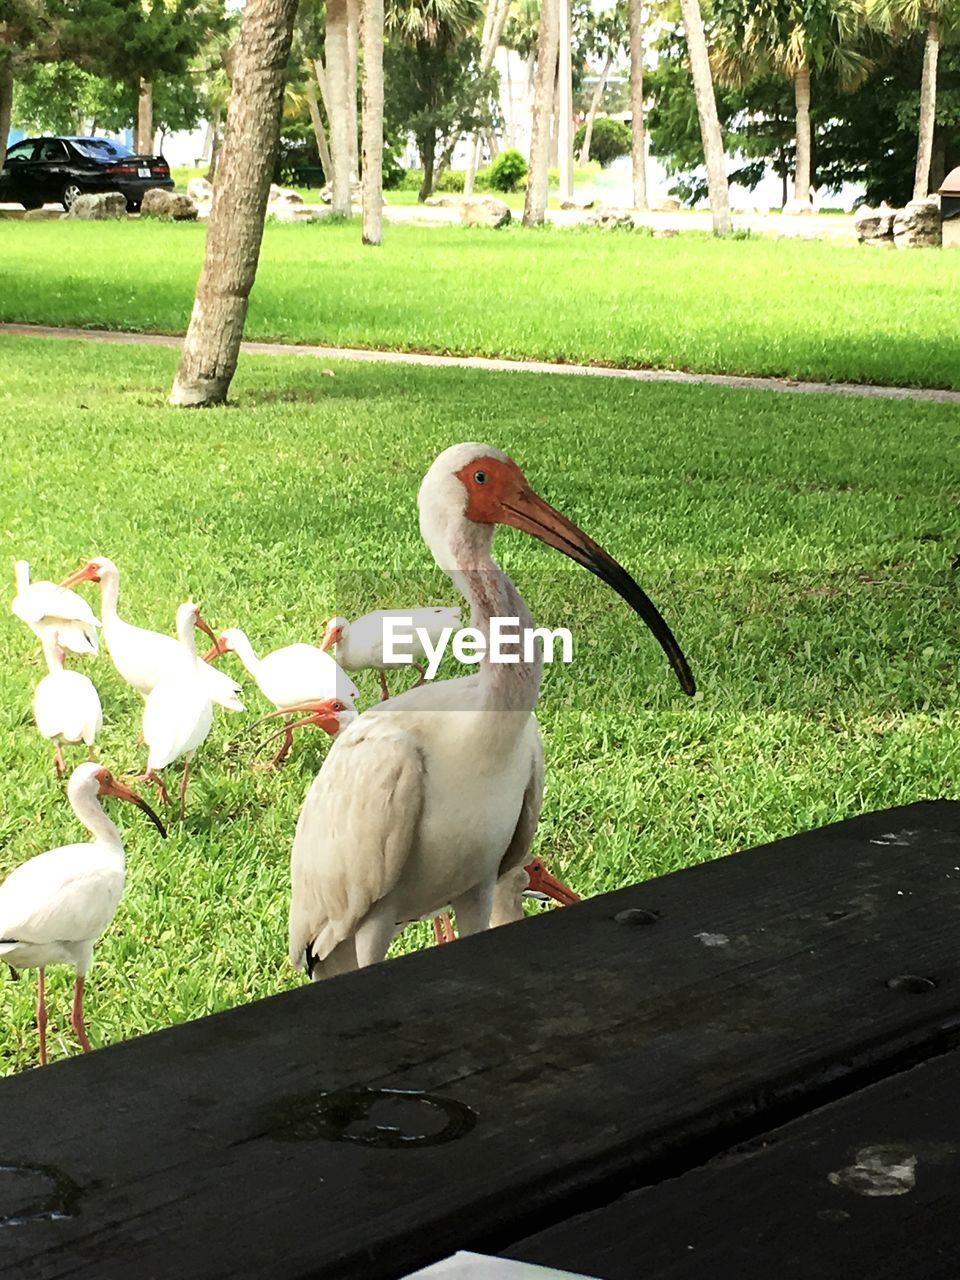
[359, 645]
[49, 610]
[55, 907]
[142, 657]
[66, 706]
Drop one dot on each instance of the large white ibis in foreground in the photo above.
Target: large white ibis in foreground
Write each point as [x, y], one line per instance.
[432, 797]
[178, 714]
[359, 645]
[66, 705]
[291, 678]
[143, 658]
[49, 610]
[55, 907]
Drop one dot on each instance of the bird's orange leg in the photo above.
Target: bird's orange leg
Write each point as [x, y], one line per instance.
[58, 762]
[443, 930]
[76, 1016]
[287, 733]
[155, 780]
[42, 1016]
[423, 675]
[183, 787]
[384, 691]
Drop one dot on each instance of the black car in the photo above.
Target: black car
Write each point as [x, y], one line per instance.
[41, 170]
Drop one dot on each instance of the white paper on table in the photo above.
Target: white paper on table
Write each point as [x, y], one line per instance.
[477, 1266]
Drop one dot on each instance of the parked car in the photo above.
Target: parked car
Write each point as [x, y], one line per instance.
[41, 170]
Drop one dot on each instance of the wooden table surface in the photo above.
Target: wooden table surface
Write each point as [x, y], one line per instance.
[699, 1075]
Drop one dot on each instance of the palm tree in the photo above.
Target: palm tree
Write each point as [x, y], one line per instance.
[936, 19]
[638, 149]
[710, 134]
[548, 43]
[337, 49]
[372, 43]
[212, 344]
[792, 38]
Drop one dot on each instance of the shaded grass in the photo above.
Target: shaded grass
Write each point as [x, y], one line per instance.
[778, 307]
[800, 548]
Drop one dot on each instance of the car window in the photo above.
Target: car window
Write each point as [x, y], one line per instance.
[20, 151]
[51, 150]
[101, 149]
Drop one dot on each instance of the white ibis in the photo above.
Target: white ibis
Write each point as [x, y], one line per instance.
[55, 907]
[329, 714]
[359, 645]
[290, 677]
[55, 611]
[143, 658]
[178, 714]
[531, 881]
[66, 706]
[430, 798]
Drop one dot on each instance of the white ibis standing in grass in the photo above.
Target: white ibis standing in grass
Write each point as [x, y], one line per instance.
[432, 797]
[143, 658]
[329, 714]
[531, 881]
[292, 678]
[55, 907]
[66, 706]
[359, 645]
[49, 610]
[178, 714]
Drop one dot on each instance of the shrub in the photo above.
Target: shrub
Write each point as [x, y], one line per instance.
[609, 140]
[507, 170]
[451, 182]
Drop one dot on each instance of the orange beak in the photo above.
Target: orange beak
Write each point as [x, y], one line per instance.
[330, 637]
[216, 649]
[86, 573]
[543, 884]
[325, 714]
[206, 628]
[109, 786]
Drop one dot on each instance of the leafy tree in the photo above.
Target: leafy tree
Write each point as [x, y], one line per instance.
[508, 170]
[611, 139]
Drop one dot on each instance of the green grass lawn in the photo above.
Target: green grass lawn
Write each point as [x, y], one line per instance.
[799, 546]
[791, 308]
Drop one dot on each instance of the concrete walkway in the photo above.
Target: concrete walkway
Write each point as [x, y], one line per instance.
[737, 382]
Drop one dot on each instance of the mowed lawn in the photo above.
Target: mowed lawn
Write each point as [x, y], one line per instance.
[782, 307]
[799, 546]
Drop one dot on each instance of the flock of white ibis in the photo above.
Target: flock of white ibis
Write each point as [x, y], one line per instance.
[426, 803]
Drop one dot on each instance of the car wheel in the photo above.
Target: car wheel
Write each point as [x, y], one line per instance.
[70, 193]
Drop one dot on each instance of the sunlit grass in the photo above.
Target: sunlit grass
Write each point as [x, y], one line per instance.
[799, 546]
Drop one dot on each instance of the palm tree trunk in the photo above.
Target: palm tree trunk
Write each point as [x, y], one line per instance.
[710, 133]
[801, 173]
[372, 121]
[216, 143]
[319, 132]
[638, 149]
[508, 114]
[338, 111]
[353, 40]
[494, 20]
[6, 107]
[143, 143]
[928, 106]
[427, 146]
[210, 350]
[555, 114]
[535, 200]
[592, 111]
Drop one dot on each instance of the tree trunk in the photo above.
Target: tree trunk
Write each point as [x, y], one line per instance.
[235, 230]
[372, 121]
[565, 104]
[928, 106]
[216, 142]
[593, 109]
[555, 110]
[427, 146]
[143, 143]
[638, 148]
[535, 200]
[509, 113]
[353, 40]
[710, 133]
[319, 132]
[338, 110]
[494, 20]
[6, 107]
[801, 173]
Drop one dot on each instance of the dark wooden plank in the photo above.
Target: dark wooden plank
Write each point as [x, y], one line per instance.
[865, 1187]
[586, 1050]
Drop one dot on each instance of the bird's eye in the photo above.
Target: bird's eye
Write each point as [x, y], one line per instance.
[338, 706]
[480, 477]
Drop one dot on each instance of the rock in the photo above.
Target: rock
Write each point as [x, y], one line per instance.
[664, 233]
[41, 215]
[577, 204]
[874, 226]
[917, 225]
[171, 206]
[200, 190]
[798, 209]
[283, 195]
[484, 211]
[609, 218]
[326, 194]
[669, 204]
[445, 201]
[99, 207]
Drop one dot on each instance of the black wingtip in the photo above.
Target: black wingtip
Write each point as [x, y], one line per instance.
[310, 959]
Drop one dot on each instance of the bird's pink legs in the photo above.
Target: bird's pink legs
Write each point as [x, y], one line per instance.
[423, 675]
[58, 762]
[183, 787]
[443, 928]
[384, 691]
[76, 1016]
[539, 881]
[42, 1016]
[154, 778]
[287, 733]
